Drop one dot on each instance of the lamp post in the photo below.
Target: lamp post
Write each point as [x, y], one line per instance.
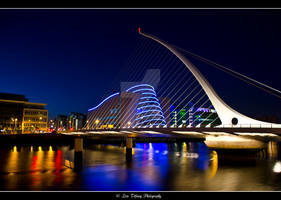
[15, 123]
[87, 124]
[97, 121]
[12, 119]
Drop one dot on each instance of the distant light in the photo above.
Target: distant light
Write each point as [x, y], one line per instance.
[277, 167]
[139, 29]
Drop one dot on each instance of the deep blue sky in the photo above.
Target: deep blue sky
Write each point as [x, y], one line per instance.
[67, 58]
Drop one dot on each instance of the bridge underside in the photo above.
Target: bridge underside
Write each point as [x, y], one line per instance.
[218, 138]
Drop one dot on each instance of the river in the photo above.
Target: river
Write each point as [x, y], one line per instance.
[187, 166]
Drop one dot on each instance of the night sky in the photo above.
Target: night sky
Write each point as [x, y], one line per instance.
[72, 59]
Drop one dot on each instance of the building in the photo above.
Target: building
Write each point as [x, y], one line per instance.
[61, 123]
[76, 121]
[17, 115]
[136, 105]
[35, 118]
[114, 111]
[148, 108]
[73, 121]
[191, 116]
[165, 103]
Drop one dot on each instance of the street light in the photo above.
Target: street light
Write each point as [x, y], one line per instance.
[12, 119]
[15, 121]
[87, 124]
[97, 121]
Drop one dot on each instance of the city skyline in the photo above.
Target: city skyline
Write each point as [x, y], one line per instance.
[60, 57]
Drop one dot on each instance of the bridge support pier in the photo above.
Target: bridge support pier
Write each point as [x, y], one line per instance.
[78, 154]
[129, 151]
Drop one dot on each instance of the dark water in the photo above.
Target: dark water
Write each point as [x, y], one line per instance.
[154, 167]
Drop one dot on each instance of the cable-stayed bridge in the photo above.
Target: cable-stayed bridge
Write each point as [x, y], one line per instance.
[180, 104]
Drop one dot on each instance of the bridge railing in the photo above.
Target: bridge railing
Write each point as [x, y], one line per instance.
[186, 126]
[247, 126]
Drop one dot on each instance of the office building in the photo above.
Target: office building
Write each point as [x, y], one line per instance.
[17, 115]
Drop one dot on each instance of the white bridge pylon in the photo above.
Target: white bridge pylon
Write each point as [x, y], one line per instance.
[227, 115]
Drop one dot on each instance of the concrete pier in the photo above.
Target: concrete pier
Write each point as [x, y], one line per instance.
[78, 154]
[129, 146]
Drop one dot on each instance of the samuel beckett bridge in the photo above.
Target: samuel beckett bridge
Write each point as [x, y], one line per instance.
[181, 104]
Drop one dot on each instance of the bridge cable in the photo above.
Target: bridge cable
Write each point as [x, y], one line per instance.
[232, 72]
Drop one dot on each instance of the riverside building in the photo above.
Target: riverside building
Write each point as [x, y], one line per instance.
[18, 116]
[136, 105]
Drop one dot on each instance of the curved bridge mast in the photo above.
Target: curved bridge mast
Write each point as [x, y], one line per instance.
[227, 115]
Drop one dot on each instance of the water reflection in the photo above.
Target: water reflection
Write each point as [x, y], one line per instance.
[31, 168]
[184, 166]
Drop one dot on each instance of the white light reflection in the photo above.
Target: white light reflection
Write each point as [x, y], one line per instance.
[277, 167]
[150, 152]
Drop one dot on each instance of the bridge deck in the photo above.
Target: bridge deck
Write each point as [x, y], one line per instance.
[172, 130]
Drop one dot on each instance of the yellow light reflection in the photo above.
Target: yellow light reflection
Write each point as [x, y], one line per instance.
[184, 147]
[49, 161]
[214, 165]
[272, 149]
[69, 164]
[12, 163]
[12, 167]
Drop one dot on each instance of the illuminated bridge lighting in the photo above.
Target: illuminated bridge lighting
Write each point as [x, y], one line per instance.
[104, 101]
